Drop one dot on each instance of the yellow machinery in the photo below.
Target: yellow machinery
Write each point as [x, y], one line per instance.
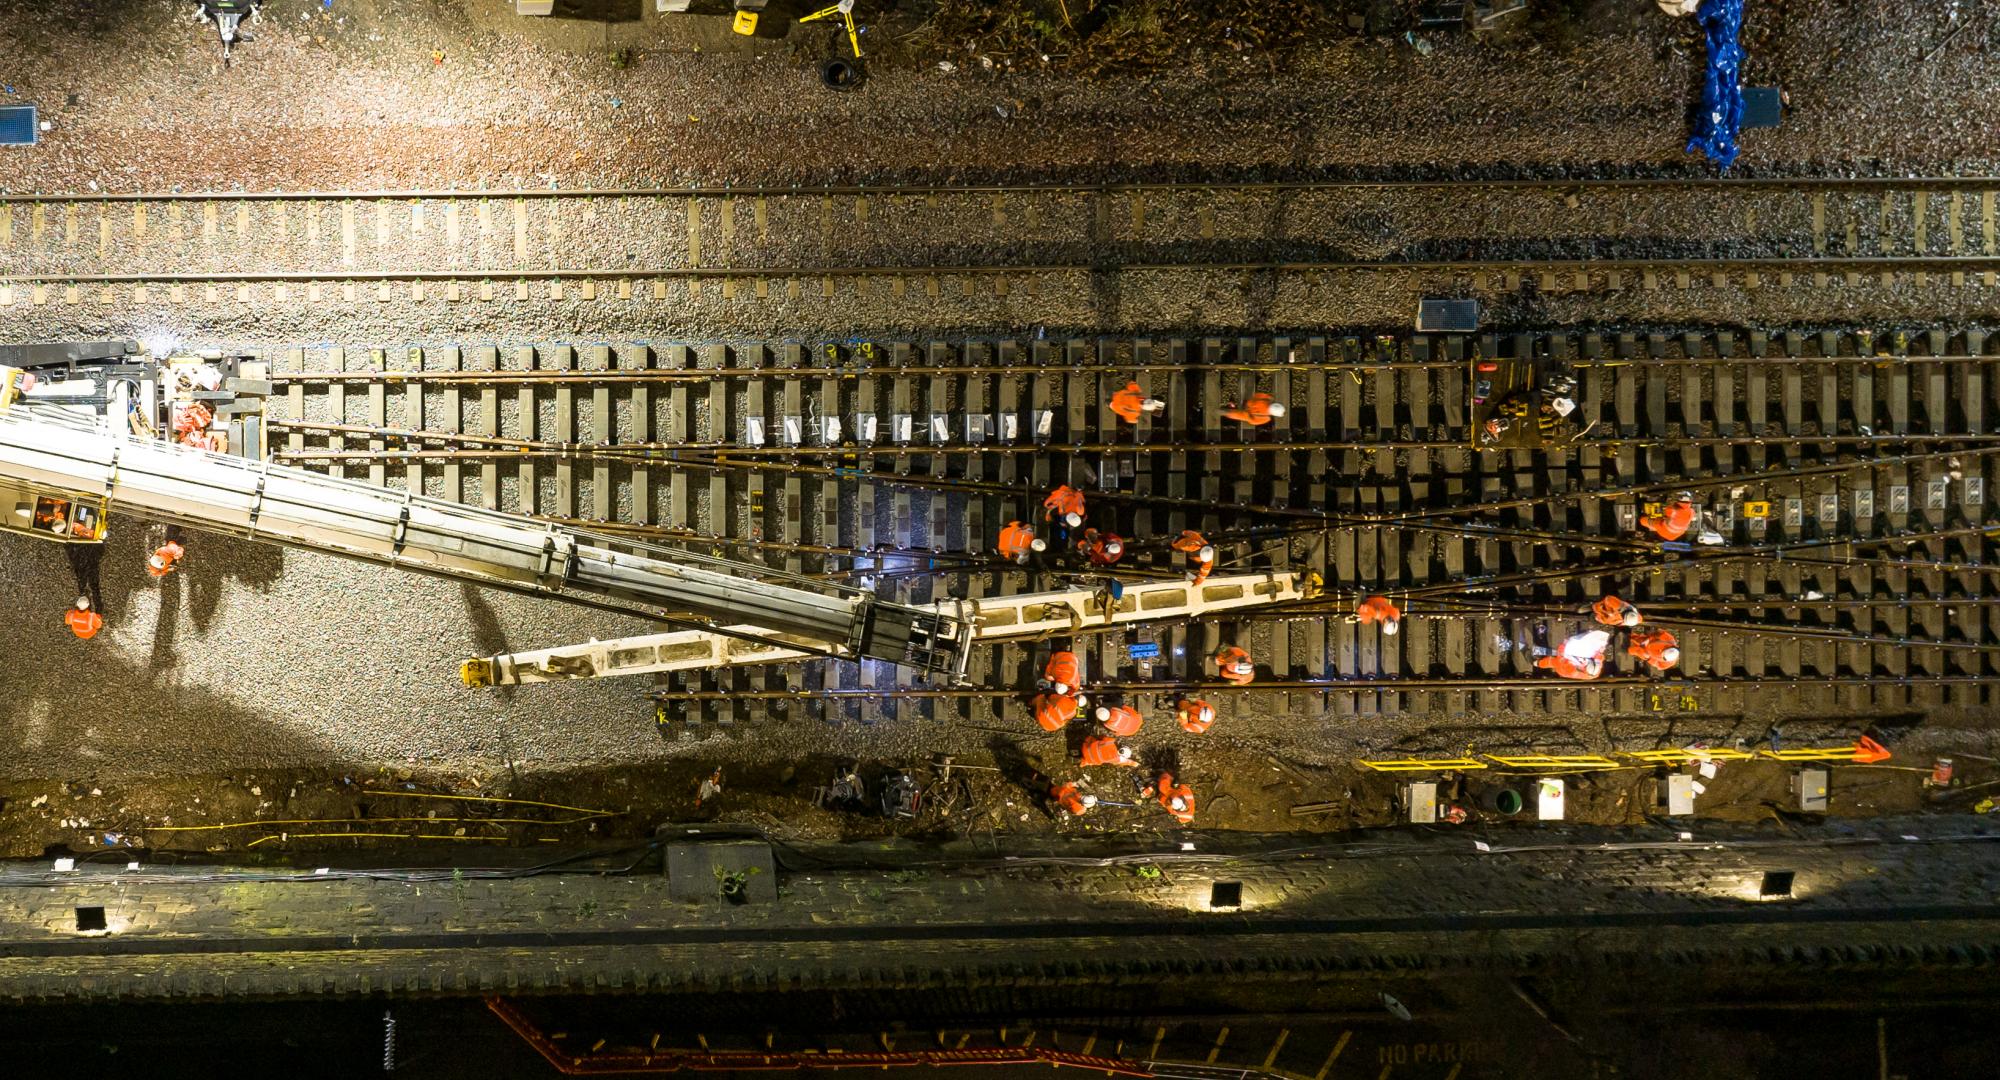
[45, 513]
[844, 9]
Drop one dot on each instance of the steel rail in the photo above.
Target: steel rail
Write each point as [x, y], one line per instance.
[1804, 264]
[878, 371]
[1366, 683]
[1615, 183]
[1821, 633]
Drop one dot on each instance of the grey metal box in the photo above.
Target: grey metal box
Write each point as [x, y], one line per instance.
[1677, 791]
[1812, 790]
[1422, 797]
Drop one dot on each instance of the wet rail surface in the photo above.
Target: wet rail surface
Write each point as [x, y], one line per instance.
[1848, 472]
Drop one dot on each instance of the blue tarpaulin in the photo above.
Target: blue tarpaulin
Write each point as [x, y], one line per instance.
[1722, 91]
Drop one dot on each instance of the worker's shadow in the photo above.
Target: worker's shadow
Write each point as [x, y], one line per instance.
[1017, 767]
[214, 567]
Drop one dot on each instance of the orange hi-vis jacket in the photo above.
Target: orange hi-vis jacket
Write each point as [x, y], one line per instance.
[1064, 500]
[84, 624]
[1169, 792]
[1016, 540]
[1377, 609]
[1651, 647]
[1256, 412]
[1674, 523]
[1129, 403]
[1122, 720]
[1103, 549]
[1194, 714]
[1192, 544]
[1229, 660]
[164, 558]
[1068, 797]
[1063, 668]
[1571, 669]
[1610, 611]
[1053, 711]
[1103, 750]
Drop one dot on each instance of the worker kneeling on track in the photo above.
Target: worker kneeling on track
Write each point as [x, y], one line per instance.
[1064, 504]
[1069, 798]
[1018, 541]
[1194, 715]
[1054, 711]
[1200, 553]
[1063, 673]
[1581, 656]
[1123, 721]
[1102, 549]
[1233, 664]
[161, 562]
[1380, 609]
[1104, 750]
[1657, 649]
[1176, 798]
[1258, 411]
[1612, 611]
[1132, 402]
[1674, 520]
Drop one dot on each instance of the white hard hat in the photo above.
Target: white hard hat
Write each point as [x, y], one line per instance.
[83, 603]
[1103, 713]
[1038, 544]
[155, 561]
[1124, 753]
[1206, 554]
[1081, 701]
[1277, 409]
[1672, 655]
[1058, 689]
[1154, 405]
[1179, 803]
[1114, 547]
[1072, 520]
[1089, 801]
[1631, 616]
[1390, 626]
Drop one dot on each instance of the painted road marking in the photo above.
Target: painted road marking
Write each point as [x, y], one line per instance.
[1159, 1036]
[1216, 1050]
[1337, 1048]
[1272, 1057]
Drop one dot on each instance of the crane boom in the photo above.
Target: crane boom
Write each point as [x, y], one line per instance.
[992, 619]
[60, 454]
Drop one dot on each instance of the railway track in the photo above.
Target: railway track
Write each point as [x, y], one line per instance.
[275, 247]
[1865, 586]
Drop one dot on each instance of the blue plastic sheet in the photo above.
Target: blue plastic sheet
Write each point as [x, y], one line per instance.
[1722, 91]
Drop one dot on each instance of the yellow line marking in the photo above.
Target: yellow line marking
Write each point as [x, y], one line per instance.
[1159, 1036]
[1453, 1074]
[1384, 1074]
[1030, 1041]
[1216, 1050]
[1091, 1042]
[1271, 1058]
[962, 1040]
[1337, 1048]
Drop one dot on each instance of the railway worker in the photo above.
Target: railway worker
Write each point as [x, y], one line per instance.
[1062, 674]
[1104, 750]
[1381, 610]
[1178, 799]
[1123, 721]
[1069, 798]
[83, 622]
[1581, 656]
[161, 562]
[1657, 649]
[1054, 711]
[1200, 553]
[1102, 549]
[1018, 541]
[1674, 521]
[1132, 402]
[1258, 411]
[1193, 714]
[1612, 611]
[1233, 664]
[1064, 504]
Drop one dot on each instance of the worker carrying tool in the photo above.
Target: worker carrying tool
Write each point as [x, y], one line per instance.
[1132, 402]
[1064, 504]
[1674, 521]
[1581, 656]
[1069, 798]
[1657, 649]
[1018, 541]
[82, 620]
[1102, 549]
[1178, 799]
[1054, 711]
[1104, 750]
[1062, 674]
[1380, 609]
[1123, 721]
[1195, 715]
[1258, 411]
[1233, 664]
[1612, 611]
[1200, 553]
[161, 562]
